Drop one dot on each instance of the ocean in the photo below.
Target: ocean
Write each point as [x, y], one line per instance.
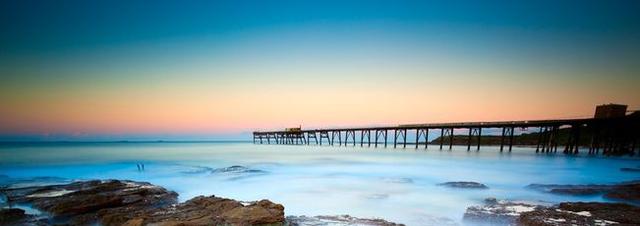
[399, 185]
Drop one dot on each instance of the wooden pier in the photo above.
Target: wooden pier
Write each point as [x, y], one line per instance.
[611, 135]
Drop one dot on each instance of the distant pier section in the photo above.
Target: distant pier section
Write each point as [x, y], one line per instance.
[612, 131]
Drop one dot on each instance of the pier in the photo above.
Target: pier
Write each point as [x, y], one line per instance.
[607, 133]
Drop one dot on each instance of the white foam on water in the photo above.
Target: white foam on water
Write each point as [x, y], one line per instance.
[398, 185]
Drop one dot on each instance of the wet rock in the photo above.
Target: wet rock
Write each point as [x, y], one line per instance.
[336, 220]
[84, 202]
[464, 184]
[497, 212]
[491, 201]
[11, 216]
[212, 211]
[582, 213]
[114, 202]
[627, 191]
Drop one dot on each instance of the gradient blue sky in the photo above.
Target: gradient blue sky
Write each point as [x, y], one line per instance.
[104, 70]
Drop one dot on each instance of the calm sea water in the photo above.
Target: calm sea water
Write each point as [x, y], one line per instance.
[395, 184]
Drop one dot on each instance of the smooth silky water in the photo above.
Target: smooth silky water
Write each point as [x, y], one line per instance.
[399, 185]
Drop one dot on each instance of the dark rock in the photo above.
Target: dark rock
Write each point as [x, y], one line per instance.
[116, 202]
[84, 202]
[464, 184]
[495, 212]
[11, 216]
[208, 211]
[627, 191]
[586, 191]
[582, 213]
[491, 201]
[336, 220]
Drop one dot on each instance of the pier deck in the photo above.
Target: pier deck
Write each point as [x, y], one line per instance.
[617, 135]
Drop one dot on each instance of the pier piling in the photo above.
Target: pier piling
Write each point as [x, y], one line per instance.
[615, 136]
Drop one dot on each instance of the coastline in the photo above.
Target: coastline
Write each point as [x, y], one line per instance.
[331, 182]
[132, 203]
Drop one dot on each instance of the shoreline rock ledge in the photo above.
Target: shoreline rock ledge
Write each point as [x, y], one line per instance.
[116, 202]
[499, 212]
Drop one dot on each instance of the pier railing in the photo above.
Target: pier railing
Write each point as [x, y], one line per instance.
[610, 135]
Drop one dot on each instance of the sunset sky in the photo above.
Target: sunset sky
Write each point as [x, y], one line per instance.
[198, 70]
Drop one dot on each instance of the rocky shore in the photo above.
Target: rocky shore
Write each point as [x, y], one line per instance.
[114, 202]
[130, 203]
[506, 212]
[501, 212]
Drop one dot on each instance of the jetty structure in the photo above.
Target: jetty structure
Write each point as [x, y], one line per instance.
[612, 130]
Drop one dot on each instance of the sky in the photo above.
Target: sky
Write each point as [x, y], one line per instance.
[205, 70]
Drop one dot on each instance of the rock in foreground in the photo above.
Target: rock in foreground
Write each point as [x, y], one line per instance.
[581, 213]
[495, 212]
[212, 211]
[12, 216]
[336, 220]
[464, 184]
[81, 203]
[115, 202]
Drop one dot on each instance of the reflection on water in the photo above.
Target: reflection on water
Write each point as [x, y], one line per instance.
[395, 184]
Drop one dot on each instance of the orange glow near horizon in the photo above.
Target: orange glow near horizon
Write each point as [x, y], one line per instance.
[237, 109]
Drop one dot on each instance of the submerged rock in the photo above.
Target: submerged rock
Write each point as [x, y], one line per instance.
[237, 169]
[115, 202]
[231, 170]
[401, 180]
[336, 220]
[497, 212]
[464, 184]
[578, 190]
[627, 191]
[237, 172]
[630, 169]
[582, 213]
